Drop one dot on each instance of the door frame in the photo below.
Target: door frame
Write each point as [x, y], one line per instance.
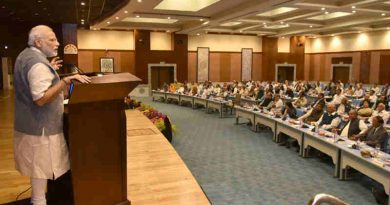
[150, 65]
[285, 65]
[341, 65]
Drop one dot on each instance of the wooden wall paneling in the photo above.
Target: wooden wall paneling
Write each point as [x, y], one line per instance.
[306, 67]
[127, 62]
[297, 55]
[365, 67]
[342, 60]
[144, 56]
[85, 60]
[215, 67]
[374, 66]
[270, 52]
[191, 66]
[356, 66]
[257, 69]
[69, 36]
[384, 68]
[235, 66]
[225, 70]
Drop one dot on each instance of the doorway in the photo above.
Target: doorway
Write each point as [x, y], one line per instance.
[341, 72]
[161, 75]
[158, 74]
[285, 72]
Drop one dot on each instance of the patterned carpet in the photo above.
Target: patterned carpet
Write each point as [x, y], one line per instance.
[235, 165]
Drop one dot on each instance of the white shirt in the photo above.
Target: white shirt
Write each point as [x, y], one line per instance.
[40, 156]
[362, 127]
[337, 99]
[359, 93]
[384, 114]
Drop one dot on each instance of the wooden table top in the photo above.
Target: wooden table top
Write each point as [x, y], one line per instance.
[155, 172]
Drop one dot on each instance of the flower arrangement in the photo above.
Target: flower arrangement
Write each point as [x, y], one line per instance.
[159, 119]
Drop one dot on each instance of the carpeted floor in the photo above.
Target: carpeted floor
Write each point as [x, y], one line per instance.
[235, 165]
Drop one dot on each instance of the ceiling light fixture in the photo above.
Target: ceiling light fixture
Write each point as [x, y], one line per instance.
[5, 47]
[36, 14]
[383, 14]
[322, 9]
[311, 26]
[39, 1]
[201, 19]
[139, 1]
[287, 25]
[326, 12]
[205, 23]
[117, 18]
[82, 3]
[168, 17]
[281, 22]
[353, 11]
[264, 23]
[137, 16]
[126, 12]
[282, 37]
[82, 23]
[353, 7]
[388, 28]
[198, 34]
[108, 22]
[332, 35]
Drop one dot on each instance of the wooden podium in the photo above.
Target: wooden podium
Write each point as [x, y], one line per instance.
[97, 139]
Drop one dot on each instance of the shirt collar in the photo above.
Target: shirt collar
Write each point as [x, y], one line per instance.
[37, 50]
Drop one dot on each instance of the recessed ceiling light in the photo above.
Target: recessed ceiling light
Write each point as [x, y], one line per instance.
[332, 35]
[353, 11]
[353, 7]
[108, 22]
[281, 22]
[126, 12]
[198, 34]
[82, 19]
[282, 37]
[322, 9]
[139, 1]
[388, 28]
[3, 7]
[326, 12]
[264, 23]
[82, 23]
[5, 47]
[205, 23]
[383, 14]
[287, 24]
[180, 5]
[168, 31]
[36, 14]
[201, 19]
[44, 8]
[359, 32]
[311, 26]
[39, 1]
[168, 17]
[137, 16]
[82, 3]
[240, 31]
[117, 18]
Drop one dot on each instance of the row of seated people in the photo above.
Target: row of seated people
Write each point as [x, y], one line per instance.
[254, 89]
[296, 89]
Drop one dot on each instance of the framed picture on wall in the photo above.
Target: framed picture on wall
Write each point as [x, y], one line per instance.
[106, 64]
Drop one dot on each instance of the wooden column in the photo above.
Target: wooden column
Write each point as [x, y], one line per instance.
[69, 36]
[270, 53]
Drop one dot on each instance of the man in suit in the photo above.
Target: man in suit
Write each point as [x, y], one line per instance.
[353, 126]
[374, 135]
[330, 119]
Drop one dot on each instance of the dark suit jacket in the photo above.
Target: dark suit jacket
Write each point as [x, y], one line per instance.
[372, 139]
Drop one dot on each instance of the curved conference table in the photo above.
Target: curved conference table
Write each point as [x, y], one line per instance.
[339, 149]
[156, 175]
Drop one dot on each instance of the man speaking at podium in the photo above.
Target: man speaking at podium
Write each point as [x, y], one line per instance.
[39, 146]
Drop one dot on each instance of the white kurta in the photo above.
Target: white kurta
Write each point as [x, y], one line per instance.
[44, 157]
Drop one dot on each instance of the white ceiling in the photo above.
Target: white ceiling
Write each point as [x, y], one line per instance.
[255, 17]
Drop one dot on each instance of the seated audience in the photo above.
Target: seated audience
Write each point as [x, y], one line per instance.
[289, 111]
[365, 111]
[375, 135]
[301, 101]
[313, 115]
[344, 107]
[337, 97]
[330, 119]
[381, 111]
[267, 100]
[353, 126]
[320, 100]
[373, 98]
[359, 92]
[277, 104]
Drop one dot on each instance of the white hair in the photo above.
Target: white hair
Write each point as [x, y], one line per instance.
[36, 33]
